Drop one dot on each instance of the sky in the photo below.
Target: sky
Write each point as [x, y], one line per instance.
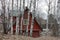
[42, 8]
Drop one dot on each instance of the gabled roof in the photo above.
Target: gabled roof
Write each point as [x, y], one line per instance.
[37, 23]
[36, 20]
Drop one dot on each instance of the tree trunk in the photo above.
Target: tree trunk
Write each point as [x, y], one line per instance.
[33, 15]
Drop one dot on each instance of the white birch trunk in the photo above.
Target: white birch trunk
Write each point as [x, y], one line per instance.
[3, 16]
[31, 30]
[57, 15]
[56, 9]
[21, 26]
[48, 14]
[17, 25]
[11, 20]
[22, 15]
[17, 20]
[9, 15]
[28, 17]
[32, 23]
[19, 17]
[47, 24]
[27, 24]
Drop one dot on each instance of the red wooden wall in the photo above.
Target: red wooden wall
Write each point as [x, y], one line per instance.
[36, 26]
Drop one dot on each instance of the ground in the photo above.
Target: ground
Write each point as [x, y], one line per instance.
[19, 37]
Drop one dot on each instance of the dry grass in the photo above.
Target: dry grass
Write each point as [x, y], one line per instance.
[19, 37]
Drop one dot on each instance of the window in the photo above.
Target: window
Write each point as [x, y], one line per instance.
[25, 22]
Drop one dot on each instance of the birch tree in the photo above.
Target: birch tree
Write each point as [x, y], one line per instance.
[17, 20]
[33, 15]
[50, 21]
[22, 15]
[11, 18]
[58, 15]
[55, 29]
[3, 15]
[20, 27]
[9, 28]
[48, 12]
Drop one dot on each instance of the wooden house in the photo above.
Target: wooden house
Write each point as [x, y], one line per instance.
[36, 27]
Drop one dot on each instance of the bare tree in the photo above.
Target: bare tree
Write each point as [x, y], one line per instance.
[22, 14]
[51, 19]
[29, 5]
[33, 15]
[56, 27]
[11, 18]
[8, 8]
[3, 15]
[20, 17]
